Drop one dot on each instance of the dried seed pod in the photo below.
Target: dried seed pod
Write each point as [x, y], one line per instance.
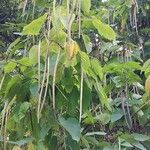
[72, 49]
[76, 49]
[147, 85]
[69, 49]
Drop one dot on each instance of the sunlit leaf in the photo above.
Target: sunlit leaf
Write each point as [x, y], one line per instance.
[10, 67]
[85, 6]
[104, 29]
[35, 26]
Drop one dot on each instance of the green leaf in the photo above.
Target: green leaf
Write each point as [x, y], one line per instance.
[137, 110]
[92, 140]
[72, 144]
[9, 67]
[104, 118]
[13, 45]
[146, 68]
[42, 3]
[85, 60]
[20, 111]
[102, 95]
[108, 148]
[89, 119]
[140, 137]
[40, 146]
[139, 145]
[34, 89]
[85, 6]
[126, 144]
[104, 29]
[87, 43]
[87, 24]
[72, 126]
[33, 54]
[65, 20]
[58, 36]
[127, 137]
[132, 65]
[97, 68]
[24, 106]
[118, 80]
[12, 86]
[116, 116]
[87, 96]
[146, 65]
[34, 27]
[25, 61]
[86, 64]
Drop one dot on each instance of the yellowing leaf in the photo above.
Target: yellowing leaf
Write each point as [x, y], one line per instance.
[104, 30]
[35, 26]
[69, 49]
[76, 49]
[31, 146]
[72, 49]
[16, 148]
[147, 85]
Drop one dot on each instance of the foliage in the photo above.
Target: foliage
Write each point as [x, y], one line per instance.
[74, 76]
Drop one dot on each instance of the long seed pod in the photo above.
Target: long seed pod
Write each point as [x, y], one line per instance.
[81, 95]
[147, 85]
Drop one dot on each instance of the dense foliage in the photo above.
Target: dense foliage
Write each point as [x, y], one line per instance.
[75, 74]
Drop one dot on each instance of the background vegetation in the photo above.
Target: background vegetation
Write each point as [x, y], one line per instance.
[75, 74]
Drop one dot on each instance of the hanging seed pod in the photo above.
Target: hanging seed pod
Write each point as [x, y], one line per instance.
[72, 49]
[147, 85]
[76, 49]
[69, 49]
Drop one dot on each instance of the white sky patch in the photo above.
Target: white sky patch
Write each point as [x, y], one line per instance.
[104, 1]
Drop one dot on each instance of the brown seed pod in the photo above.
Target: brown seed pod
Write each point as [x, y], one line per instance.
[147, 85]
